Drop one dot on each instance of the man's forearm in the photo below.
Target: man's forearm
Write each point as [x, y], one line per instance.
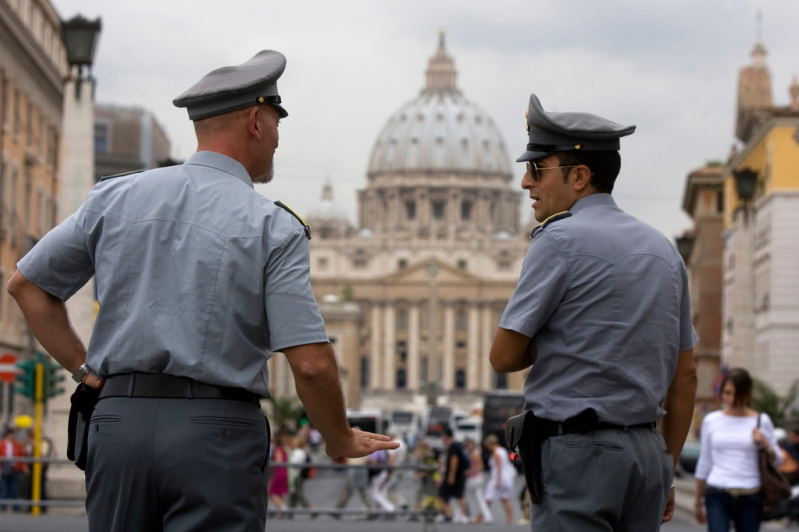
[48, 319]
[680, 402]
[320, 393]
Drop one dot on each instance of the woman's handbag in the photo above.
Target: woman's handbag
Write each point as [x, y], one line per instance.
[774, 484]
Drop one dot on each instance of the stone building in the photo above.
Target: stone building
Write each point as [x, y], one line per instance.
[127, 139]
[702, 249]
[761, 251]
[412, 296]
[32, 71]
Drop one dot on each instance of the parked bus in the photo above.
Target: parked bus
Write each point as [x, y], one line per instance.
[435, 420]
[497, 408]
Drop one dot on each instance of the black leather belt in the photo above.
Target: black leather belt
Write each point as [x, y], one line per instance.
[161, 385]
[574, 426]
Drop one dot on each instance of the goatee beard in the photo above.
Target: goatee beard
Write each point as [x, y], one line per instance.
[265, 178]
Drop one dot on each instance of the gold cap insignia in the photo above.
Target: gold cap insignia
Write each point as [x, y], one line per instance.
[260, 99]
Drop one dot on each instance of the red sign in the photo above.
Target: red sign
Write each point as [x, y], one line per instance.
[8, 368]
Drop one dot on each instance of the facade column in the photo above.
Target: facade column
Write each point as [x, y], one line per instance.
[413, 347]
[487, 334]
[447, 380]
[389, 347]
[473, 348]
[376, 349]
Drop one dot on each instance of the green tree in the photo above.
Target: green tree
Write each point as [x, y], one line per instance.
[285, 411]
[779, 408]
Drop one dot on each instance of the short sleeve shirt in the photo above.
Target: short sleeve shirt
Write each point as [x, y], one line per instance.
[196, 274]
[604, 298]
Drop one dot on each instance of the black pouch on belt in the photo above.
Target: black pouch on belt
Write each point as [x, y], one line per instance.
[80, 413]
[521, 438]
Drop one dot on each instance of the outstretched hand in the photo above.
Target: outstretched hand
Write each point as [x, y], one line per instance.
[361, 444]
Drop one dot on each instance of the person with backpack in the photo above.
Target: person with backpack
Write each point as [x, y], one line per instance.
[453, 484]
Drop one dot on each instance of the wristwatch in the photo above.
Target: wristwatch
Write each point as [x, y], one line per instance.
[81, 372]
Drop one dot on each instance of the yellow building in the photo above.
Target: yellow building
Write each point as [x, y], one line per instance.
[761, 213]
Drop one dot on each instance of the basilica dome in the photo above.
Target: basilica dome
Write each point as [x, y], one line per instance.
[440, 130]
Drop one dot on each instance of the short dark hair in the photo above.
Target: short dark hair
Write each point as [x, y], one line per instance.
[604, 165]
[742, 382]
[447, 432]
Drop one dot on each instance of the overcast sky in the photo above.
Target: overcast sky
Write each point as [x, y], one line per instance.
[668, 66]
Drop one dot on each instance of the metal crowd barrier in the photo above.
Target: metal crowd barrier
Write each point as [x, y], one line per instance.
[426, 516]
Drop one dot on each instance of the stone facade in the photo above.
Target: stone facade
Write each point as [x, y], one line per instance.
[127, 139]
[412, 296]
[32, 72]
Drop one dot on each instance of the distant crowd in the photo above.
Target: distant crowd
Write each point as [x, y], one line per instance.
[455, 482]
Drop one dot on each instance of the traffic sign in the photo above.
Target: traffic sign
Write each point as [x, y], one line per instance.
[8, 368]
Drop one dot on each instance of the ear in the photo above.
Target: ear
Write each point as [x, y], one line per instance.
[253, 127]
[582, 177]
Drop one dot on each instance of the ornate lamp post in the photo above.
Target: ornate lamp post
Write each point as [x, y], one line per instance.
[80, 37]
[745, 181]
[685, 244]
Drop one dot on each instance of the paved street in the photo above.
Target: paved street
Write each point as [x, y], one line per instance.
[70, 523]
[323, 492]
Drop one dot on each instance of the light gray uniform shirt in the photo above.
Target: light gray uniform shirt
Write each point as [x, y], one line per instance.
[197, 275]
[604, 298]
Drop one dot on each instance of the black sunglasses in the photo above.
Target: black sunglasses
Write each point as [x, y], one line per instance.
[535, 170]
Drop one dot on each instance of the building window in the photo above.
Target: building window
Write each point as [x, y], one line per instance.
[401, 379]
[460, 379]
[322, 263]
[359, 263]
[100, 138]
[402, 351]
[462, 264]
[503, 265]
[502, 381]
[29, 126]
[3, 100]
[402, 320]
[461, 345]
[438, 210]
[720, 202]
[410, 210]
[466, 210]
[460, 321]
[423, 370]
[364, 372]
[17, 117]
[402, 264]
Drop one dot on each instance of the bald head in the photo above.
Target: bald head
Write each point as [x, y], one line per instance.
[247, 135]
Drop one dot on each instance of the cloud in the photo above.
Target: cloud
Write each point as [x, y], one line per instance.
[668, 66]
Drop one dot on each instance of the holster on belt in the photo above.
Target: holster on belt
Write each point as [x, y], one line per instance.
[80, 413]
[521, 437]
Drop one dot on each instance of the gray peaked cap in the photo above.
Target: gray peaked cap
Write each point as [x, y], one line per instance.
[556, 132]
[230, 88]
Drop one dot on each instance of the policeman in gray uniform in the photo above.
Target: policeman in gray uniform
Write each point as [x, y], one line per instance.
[200, 280]
[602, 314]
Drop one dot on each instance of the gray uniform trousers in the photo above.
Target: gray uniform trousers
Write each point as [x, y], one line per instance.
[604, 480]
[177, 465]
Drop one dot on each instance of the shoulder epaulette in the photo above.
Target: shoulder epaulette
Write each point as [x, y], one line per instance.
[553, 218]
[123, 174]
[288, 209]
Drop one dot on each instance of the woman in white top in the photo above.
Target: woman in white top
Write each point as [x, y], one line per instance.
[727, 473]
[474, 484]
[500, 483]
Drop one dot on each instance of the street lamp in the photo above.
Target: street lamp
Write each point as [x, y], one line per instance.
[80, 39]
[685, 245]
[745, 181]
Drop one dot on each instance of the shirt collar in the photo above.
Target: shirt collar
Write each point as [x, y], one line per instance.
[598, 199]
[221, 162]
